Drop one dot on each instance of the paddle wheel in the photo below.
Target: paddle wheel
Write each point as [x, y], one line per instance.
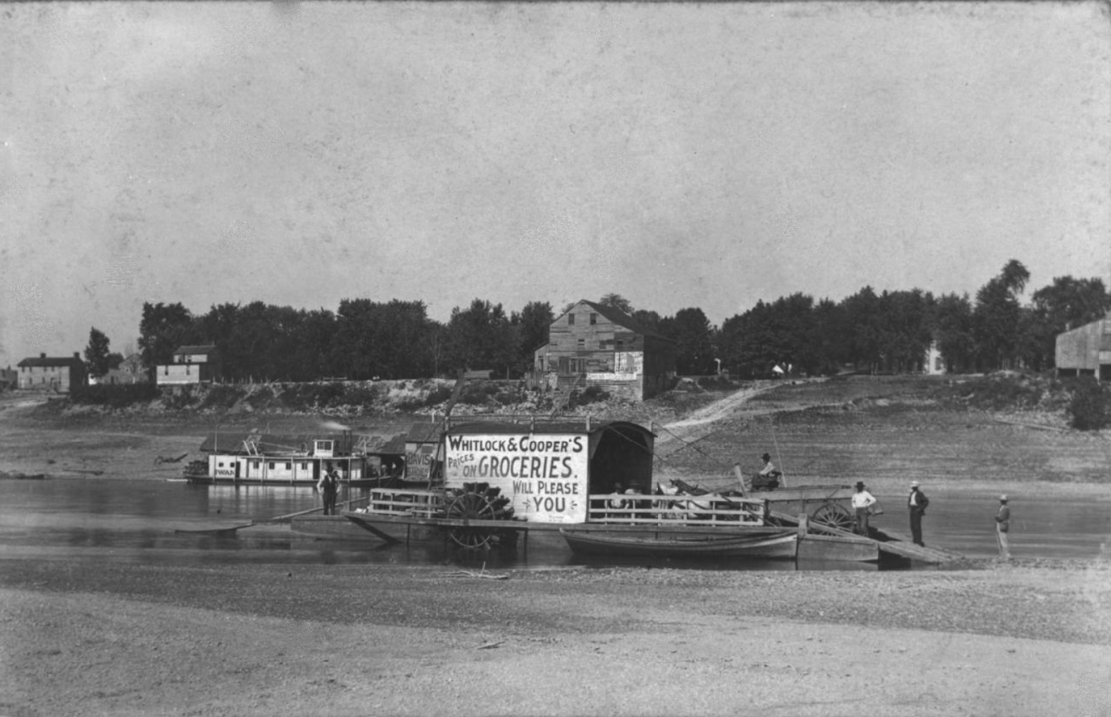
[478, 501]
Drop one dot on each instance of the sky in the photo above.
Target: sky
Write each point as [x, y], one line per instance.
[680, 155]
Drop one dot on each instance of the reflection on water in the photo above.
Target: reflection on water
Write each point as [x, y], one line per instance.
[156, 521]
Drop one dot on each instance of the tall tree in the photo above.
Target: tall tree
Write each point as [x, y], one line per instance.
[649, 320]
[768, 335]
[617, 301]
[904, 329]
[997, 317]
[163, 328]
[952, 328]
[480, 337]
[832, 337]
[97, 357]
[863, 313]
[532, 326]
[694, 335]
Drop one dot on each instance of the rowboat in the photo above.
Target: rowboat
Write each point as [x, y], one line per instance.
[780, 544]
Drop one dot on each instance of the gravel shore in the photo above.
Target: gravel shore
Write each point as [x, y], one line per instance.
[123, 638]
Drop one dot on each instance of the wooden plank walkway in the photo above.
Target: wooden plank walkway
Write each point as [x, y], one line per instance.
[888, 542]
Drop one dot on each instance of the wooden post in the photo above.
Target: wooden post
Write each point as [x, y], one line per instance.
[740, 478]
[804, 525]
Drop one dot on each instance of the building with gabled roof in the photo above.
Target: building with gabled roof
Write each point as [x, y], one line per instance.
[592, 344]
[191, 365]
[1085, 350]
[49, 373]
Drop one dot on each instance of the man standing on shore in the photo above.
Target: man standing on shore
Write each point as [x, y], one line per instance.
[1002, 527]
[328, 485]
[916, 504]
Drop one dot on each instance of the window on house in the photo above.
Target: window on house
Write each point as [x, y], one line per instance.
[582, 344]
[270, 465]
[288, 465]
[593, 319]
[570, 319]
[304, 466]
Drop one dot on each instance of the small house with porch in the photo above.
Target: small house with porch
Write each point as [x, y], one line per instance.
[596, 345]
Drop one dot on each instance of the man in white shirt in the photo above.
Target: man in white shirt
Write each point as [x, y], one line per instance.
[768, 477]
[862, 501]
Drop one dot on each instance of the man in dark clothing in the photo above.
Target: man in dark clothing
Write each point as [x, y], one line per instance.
[328, 485]
[916, 504]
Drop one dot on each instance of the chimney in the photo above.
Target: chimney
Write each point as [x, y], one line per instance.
[42, 355]
[77, 355]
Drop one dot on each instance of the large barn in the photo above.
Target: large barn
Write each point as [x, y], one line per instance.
[595, 345]
[1086, 350]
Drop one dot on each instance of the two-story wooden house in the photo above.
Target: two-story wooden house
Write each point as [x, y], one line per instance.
[595, 345]
[192, 364]
[51, 373]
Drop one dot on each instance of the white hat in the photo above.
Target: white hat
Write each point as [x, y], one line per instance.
[1003, 498]
[914, 484]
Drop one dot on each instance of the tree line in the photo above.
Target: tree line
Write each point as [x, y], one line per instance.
[888, 331]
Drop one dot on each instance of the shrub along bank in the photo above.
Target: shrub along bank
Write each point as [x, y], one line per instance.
[337, 397]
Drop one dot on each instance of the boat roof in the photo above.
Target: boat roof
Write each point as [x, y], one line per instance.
[268, 443]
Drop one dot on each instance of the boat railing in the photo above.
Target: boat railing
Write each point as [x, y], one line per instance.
[406, 501]
[698, 510]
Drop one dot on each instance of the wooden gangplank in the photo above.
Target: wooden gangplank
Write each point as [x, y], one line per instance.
[889, 541]
[899, 542]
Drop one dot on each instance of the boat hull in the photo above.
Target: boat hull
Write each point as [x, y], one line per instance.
[775, 545]
[824, 548]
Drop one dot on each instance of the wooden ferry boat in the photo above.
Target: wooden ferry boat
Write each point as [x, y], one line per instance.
[587, 482]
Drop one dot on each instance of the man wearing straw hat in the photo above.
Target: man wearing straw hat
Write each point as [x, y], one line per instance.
[1002, 527]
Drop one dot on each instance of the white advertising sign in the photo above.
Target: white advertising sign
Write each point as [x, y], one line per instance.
[544, 476]
[628, 362]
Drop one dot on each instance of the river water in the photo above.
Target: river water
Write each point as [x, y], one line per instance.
[161, 522]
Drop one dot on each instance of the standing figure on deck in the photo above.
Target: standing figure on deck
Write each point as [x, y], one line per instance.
[916, 504]
[1002, 527]
[328, 485]
[862, 508]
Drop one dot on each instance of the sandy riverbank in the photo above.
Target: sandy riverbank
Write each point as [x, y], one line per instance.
[1024, 639]
[1031, 638]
